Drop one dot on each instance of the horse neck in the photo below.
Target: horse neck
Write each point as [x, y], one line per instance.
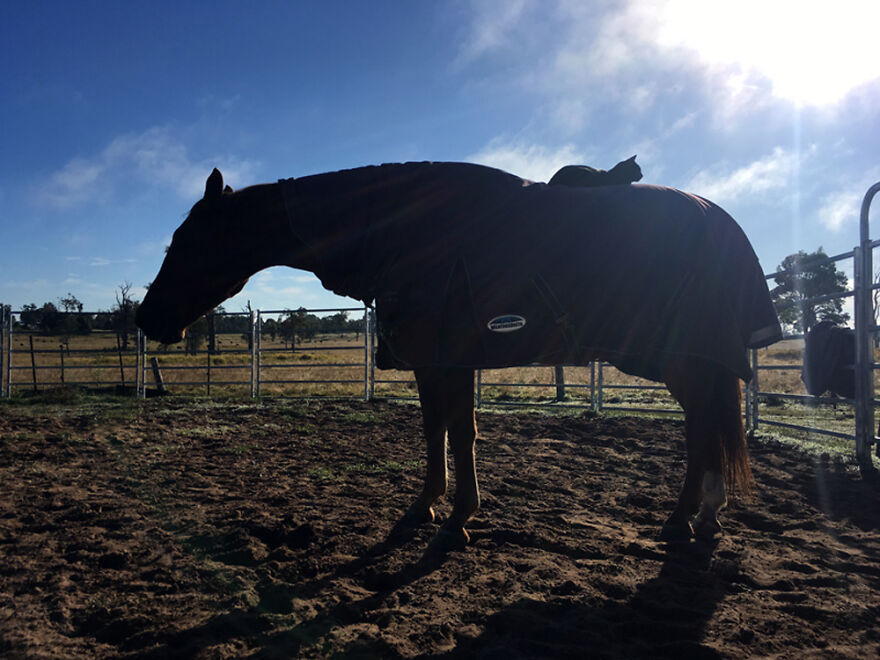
[263, 234]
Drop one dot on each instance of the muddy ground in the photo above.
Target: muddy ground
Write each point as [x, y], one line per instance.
[187, 529]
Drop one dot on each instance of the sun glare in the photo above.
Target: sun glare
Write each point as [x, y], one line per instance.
[811, 52]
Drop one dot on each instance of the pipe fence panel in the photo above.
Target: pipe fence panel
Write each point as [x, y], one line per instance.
[45, 348]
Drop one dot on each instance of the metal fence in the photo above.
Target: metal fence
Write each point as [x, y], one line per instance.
[259, 366]
[865, 328]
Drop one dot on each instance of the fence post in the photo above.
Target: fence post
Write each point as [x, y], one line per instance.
[9, 329]
[371, 329]
[140, 386]
[367, 388]
[121, 364]
[593, 402]
[600, 379]
[754, 388]
[253, 343]
[258, 342]
[2, 345]
[864, 322]
[33, 362]
[559, 372]
[157, 375]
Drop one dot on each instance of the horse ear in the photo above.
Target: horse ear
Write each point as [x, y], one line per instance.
[214, 185]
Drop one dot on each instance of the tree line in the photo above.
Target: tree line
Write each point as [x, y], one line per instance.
[66, 319]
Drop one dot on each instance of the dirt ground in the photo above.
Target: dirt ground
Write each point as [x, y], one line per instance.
[228, 530]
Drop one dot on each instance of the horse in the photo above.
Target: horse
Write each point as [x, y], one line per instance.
[471, 267]
[829, 360]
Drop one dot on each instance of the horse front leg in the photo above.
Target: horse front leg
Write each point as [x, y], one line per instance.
[431, 396]
[462, 437]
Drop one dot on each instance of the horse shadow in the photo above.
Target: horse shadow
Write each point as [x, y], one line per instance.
[666, 616]
[252, 625]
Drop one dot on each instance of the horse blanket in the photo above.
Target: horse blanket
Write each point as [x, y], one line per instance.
[474, 267]
[829, 360]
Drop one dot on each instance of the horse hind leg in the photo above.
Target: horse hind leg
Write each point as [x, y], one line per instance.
[728, 464]
[678, 526]
[716, 446]
[714, 498]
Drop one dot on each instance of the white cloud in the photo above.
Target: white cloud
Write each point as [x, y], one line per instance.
[530, 161]
[739, 56]
[155, 157]
[839, 209]
[493, 26]
[104, 261]
[842, 208]
[73, 184]
[810, 52]
[771, 172]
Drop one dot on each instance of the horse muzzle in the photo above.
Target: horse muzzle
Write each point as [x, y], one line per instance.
[158, 327]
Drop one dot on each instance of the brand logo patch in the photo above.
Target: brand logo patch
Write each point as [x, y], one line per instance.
[507, 323]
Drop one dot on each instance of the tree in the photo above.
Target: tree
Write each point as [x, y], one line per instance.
[74, 321]
[195, 335]
[298, 323]
[70, 303]
[807, 276]
[248, 335]
[122, 316]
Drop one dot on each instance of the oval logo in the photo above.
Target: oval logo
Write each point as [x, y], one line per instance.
[507, 323]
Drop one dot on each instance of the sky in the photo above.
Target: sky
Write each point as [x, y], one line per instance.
[114, 113]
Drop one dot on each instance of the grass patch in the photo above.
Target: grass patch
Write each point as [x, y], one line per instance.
[322, 474]
[362, 418]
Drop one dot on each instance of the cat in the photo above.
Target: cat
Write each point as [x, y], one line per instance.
[584, 176]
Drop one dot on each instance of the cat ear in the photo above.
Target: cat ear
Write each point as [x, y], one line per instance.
[631, 159]
[214, 185]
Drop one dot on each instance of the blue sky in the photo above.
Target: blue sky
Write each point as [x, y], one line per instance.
[114, 113]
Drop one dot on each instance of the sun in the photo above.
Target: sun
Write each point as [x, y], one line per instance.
[811, 52]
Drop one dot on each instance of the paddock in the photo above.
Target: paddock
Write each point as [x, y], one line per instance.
[191, 528]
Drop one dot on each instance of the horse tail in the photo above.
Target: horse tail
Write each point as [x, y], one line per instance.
[735, 465]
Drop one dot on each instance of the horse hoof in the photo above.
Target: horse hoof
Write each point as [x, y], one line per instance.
[707, 530]
[676, 533]
[416, 516]
[447, 540]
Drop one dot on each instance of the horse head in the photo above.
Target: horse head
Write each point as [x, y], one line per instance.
[204, 265]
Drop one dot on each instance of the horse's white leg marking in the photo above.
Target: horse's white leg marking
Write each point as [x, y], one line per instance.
[714, 499]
